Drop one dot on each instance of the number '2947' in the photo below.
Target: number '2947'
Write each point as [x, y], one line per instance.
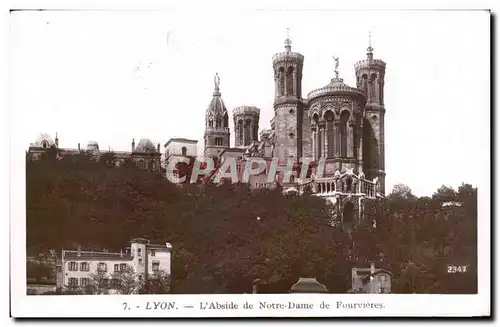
[456, 269]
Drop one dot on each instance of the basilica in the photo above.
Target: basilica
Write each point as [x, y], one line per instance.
[340, 128]
[337, 127]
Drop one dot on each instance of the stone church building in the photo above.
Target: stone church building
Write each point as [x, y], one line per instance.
[339, 127]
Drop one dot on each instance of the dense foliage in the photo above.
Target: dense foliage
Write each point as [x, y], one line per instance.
[224, 237]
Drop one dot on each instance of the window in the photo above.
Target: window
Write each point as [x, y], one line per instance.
[84, 282]
[102, 266]
[72, 266]
[140, 261]
[154, 165]
[115, 283]
[153, 253]
[117, 268]
[156, 265]
[104, 282]
[139, 252]
[84, 266]
[123, 267]
[184, 151]
[73, 282]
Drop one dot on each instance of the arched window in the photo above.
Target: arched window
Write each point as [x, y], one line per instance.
[217, 123]
[289, 81]
[364, 83]
[184, 151]
[348, 213]
[330, 137]
[348, 184]
[210, 123]
[373, 94]
[318, 136]
[282, 81]
[247, 131]
[344, 117]
[226, 120]
[255, 133]
[240, 132]
[45, 144]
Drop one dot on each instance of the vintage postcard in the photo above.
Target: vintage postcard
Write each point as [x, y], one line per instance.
[210, 162]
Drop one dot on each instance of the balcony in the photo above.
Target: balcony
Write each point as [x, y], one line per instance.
[332, 186]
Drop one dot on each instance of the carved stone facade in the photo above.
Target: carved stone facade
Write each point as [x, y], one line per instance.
[339, 127]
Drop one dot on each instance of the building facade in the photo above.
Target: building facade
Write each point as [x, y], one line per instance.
[144, 155]
[78, 268]
[339, 128]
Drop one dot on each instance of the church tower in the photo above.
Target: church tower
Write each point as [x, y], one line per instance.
[216, 124]
[246, 126]
[288, 105]
[370, 74]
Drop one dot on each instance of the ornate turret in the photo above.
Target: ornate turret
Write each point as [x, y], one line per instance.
[289, 109]
[246, 125]
[216, 123]
[288, 72]
[370, 76]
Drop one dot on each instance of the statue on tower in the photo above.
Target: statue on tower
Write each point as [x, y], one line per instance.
[336, 59]
[216, 81]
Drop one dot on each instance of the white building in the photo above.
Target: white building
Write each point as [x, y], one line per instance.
[77, 266]
[176, 150]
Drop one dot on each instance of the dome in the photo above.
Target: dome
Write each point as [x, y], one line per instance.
[216, 106]
[44, 141]
[92, 146]
[145, 145]
[336, 87]
[308, 285]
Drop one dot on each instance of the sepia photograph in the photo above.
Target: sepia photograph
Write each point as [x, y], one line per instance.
[249, 154]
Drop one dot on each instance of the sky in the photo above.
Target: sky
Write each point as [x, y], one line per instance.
[111, 76]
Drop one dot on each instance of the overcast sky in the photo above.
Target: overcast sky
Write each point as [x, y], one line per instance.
[113, 76]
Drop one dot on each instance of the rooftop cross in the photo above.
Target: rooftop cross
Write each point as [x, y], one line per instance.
[288, 42]
[370, 49]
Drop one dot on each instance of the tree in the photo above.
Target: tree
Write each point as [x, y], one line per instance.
[226, 236]
[401, 191]
[157, 283]
[125, 281]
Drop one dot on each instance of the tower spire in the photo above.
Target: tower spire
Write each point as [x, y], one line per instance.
[370, 48]
[288, 42]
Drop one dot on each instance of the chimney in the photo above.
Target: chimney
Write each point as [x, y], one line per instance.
[78, 146]
[79, 251]
[57, 141]
[133, 145]
[158, 147]
[372, 268]
[121, 253]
